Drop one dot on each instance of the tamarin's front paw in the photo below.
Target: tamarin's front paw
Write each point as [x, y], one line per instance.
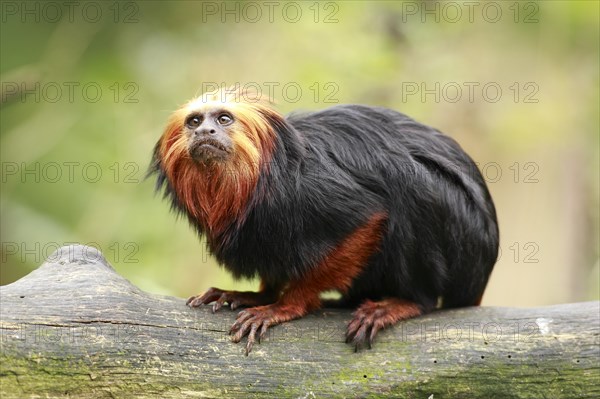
[370, 317]
[257, 320]
[235, 299]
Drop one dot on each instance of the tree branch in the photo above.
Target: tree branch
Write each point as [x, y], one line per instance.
[74, 327]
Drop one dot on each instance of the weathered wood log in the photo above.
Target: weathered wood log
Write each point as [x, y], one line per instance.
[75, 328]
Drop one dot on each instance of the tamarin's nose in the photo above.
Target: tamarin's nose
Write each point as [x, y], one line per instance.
[204, 132]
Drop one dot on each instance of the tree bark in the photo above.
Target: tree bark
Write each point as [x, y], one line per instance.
[75, 328]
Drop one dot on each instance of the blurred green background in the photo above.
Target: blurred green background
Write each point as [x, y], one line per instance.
[87, 89]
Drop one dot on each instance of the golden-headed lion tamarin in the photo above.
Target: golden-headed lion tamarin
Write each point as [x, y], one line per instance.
[357, 199]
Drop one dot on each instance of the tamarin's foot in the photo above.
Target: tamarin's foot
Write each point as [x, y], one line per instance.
[235, 299]
[257, 320]
[370, 317]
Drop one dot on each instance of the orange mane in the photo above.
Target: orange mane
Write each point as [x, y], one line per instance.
[216, 195]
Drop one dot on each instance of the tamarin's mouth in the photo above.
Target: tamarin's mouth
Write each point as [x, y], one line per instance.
[201, 150]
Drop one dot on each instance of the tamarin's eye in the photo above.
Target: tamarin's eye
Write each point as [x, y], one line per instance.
[224, 119]
[193, 121]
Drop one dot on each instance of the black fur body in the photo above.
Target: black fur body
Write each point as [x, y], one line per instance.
[333, 169]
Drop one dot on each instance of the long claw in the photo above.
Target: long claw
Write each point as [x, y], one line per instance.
[239, 332]
[371, 317]
[252, 334]
[255, 322]
[220, 302]
[249, 346]
[194, 302]
[350, 336]
[374, 330]
[243, 316]
[263, 332]
[360, 336]
[235, 299]
[252, 337]
[212, 294]
[237, 337]
[352, 330]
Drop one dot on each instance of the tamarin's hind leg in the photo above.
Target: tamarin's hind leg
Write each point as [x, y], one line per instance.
[266, 295]
[370, 317]
[336, 272]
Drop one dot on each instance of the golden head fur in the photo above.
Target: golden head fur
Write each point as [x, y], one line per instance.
[216, 192]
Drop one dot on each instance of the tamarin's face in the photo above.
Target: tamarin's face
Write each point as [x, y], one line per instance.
[213, 151]
[219, 130]
[208, 131]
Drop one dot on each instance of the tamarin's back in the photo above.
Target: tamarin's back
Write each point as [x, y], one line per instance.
[441, 222]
